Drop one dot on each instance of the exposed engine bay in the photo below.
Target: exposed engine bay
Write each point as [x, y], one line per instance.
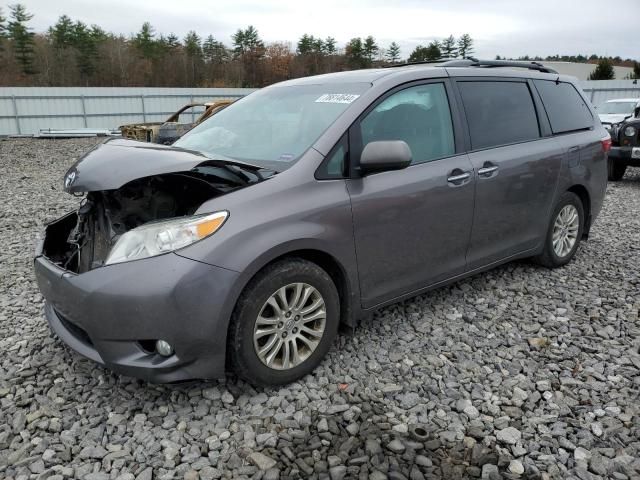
[81, 241]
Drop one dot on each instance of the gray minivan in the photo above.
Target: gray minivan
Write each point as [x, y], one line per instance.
[311, 203]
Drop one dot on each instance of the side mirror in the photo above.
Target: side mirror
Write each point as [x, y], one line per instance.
[636, 112]
[385, 155]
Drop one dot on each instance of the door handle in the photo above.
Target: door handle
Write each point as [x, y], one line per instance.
[458, 178]
[487, 170]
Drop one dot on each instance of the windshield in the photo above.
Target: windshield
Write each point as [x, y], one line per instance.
[617, 107]
[272, 127]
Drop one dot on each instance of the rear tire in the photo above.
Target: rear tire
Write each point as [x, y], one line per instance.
[615, 170]
[564, 233]
[292, 305]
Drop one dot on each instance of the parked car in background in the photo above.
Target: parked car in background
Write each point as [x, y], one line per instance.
[625, 147]
[173, 128]
[314, 202]
[615, 111]
[621, 117]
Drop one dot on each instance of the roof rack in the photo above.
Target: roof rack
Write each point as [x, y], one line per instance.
[474, 62]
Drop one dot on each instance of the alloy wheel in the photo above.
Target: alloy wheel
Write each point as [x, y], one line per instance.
[289, 326]
[565, 230]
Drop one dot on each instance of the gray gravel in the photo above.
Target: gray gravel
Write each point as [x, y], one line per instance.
[520, 372]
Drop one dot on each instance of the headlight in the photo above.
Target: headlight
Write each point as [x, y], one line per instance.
[156, 238]
[629, 131]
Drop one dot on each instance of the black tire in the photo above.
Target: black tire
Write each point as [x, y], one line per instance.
[615, 170]
[548, 257]
[242, 353]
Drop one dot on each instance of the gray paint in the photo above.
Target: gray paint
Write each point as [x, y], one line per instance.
[110, 165]
[393, 234]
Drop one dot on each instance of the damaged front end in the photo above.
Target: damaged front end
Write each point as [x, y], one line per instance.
[115, 204]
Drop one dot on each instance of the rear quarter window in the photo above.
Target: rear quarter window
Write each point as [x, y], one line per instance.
[566, 109]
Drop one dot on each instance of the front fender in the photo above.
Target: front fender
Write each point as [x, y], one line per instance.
[267, 223]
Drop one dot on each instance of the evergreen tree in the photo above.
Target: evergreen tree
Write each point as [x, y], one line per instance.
[305, 45]
[3, 34]
[330, 46]
[78, 41]
[145, 42]
[370, 49]
[312, 50]
[193, 49]
[434, 51]
[426, 54]
[465, 46]
[214, 51]
[249, 48]
[192, 44]
[61, 33]
[318, 46]
[448, 47]
[354, 53]
[3, 25]
[86, 41]
[247, 41]
[22, 37]
[604, 70]
[393, 53]
[172, 41]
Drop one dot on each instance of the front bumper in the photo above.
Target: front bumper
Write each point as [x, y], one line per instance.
[111, 313]
[623, 154]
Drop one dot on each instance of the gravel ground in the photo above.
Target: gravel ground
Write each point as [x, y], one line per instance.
[518, 372]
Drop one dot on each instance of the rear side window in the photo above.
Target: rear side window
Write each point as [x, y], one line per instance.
[566, 109]
[499, 113]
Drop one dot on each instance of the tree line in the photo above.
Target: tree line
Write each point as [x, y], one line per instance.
[72, 53]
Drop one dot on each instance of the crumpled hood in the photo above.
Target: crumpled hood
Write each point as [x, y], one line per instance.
[612, 118]
[112, 164]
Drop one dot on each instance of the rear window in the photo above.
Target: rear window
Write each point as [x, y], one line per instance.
[499, 113]
[566, 109]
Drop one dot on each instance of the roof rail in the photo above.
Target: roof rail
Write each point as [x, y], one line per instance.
[474, 62]
[421, 62]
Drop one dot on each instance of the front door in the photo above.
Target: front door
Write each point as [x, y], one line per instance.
[411, 226]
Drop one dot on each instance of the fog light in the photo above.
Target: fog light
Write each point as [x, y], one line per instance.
[164, 348]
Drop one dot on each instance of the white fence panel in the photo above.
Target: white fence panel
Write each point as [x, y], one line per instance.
[27, 110]
[600, 91]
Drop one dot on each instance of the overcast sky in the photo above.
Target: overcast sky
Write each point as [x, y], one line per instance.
[499, 27]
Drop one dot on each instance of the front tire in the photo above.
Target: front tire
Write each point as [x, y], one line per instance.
[615, 170]
[284, 323]
[564, 233]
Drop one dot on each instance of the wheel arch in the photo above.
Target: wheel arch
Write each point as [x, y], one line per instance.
[347, 287]
[585, 198]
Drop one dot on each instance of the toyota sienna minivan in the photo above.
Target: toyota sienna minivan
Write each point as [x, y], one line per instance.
[311, 203]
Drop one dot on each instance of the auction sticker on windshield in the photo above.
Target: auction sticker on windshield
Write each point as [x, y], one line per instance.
[337, 98]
